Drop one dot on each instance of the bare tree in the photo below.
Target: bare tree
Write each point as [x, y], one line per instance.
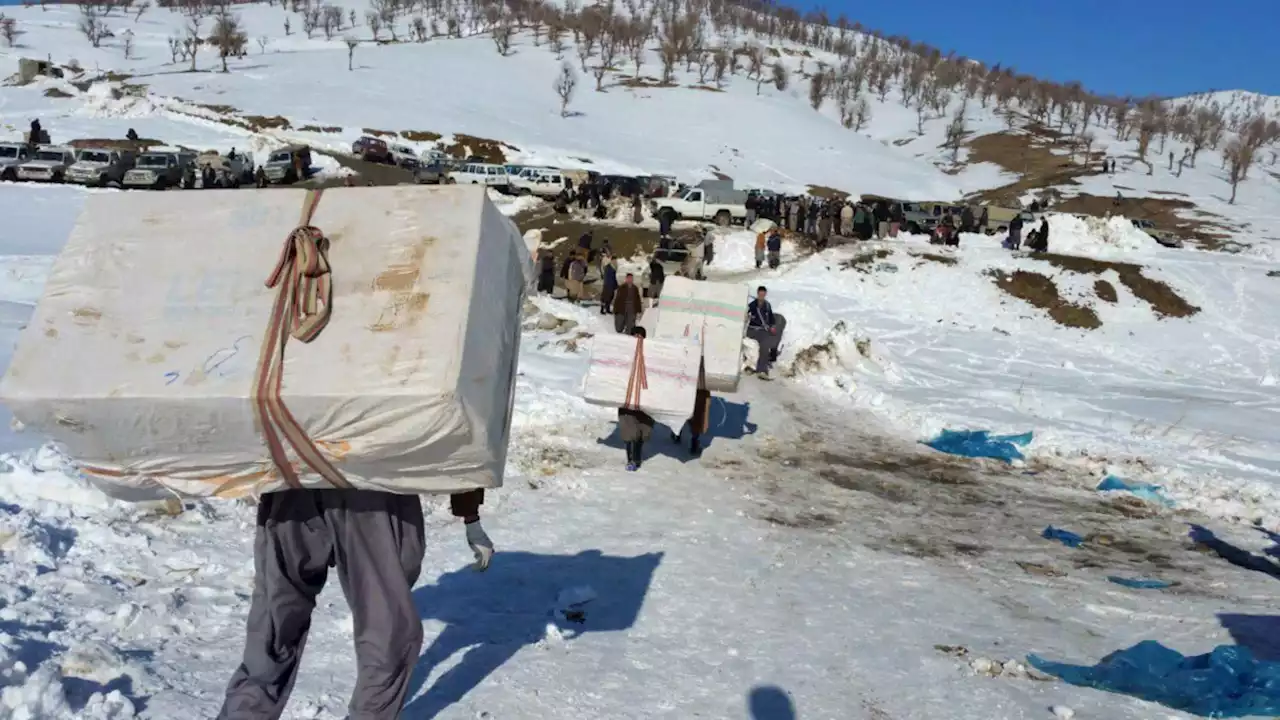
[374, 21]
[957, 129]
[861, 112]
[91, 24]
[351, 43]
[331, 20]
[139, 9]
[9, 29]
[1239, 157]
[419, 28]
[501, 35]
[720, 61]
[288, 30]
[175, 45]
[192, 42]
[564, 85]
[387, 12]
[311, 16]
[639, 35]
[126, 42]
[1087, 139]
[755, 64]
[227, 37]
[610, 40]
[780, 77]
[555, 38]
[817, 89]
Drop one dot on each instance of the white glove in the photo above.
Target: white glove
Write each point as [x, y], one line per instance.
[480, 544]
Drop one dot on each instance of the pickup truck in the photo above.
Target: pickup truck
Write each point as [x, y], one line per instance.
[701, 204]
[100, 167]
[11, 156]
[158, 170]
[49, 164]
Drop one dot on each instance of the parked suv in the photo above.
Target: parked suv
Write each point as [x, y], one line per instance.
[430, 173]
[100, 166]
[288, 165]
[372, 149]
[11, 156]
[480, 174]
[49, 164]
[158, 170]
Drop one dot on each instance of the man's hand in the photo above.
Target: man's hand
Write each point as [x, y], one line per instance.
[480, 544]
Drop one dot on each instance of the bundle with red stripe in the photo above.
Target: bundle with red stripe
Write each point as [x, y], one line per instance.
[363, 337]
[656, 376]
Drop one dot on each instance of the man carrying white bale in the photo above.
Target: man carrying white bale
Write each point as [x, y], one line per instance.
[711, 316]
[370, 359]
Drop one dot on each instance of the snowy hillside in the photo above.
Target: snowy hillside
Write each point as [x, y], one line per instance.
[817, 561]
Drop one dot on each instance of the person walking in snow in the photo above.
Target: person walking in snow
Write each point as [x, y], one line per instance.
[846, 220]
[1039, 242]
[708, 246]
[628, 305]
[637, 216]
[657, 276]
[608, 285]
[635, 426]
[752, 201]
[546, 272]
[1014, 241]
[966, 219]
[699, 422]
[665, 220]
[760, 244]
[774, 246]
[824, 227]
[577, 274]
[793, 215]
[983, 220]
[765, 328]
[375, 541]
[880, 213]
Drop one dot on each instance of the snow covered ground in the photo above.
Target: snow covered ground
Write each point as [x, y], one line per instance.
[816, 549]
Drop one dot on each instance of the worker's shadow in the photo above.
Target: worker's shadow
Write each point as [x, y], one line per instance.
[728, 420]
[491, 616]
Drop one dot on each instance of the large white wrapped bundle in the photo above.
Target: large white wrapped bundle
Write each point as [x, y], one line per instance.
[658, 377]
[161, 360]
[709, 314]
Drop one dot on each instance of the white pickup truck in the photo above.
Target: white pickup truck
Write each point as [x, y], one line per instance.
[713, 200]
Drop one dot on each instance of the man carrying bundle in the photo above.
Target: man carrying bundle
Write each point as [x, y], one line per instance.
[635, 426]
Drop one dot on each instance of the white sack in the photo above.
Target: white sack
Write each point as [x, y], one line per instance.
[689, 307]
[140, 358]
[671, 369]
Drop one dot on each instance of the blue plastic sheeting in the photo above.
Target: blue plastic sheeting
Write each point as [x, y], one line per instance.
[1066, 537]
[1140, 583]
[980, 444]
[1226, 683]
[1142, 491]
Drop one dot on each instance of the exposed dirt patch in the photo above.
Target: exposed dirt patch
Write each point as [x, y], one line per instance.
[378, 133]
[903, 141]
[827, 193]
[626, 241]
[1105, 291]
[320, 129]
[1042, 292]
[139, 145]
[54, 92]
[259, 123]
[220, 109]
[644, 81]
[491, 151]
[1169, 192]
[708, 88]
[420, 135]
[1162, 298]
[1207, 230]
[863, 262]
[817, 356]
[942, 259]
[1027, 154]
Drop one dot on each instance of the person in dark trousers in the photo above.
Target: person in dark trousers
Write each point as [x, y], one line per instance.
[635, 426]
[637, 216]
[983, 219]
[966, 220]
[657, 276]
[774, 245]
[608, 286]
[546, 272]
[36, 133]
[585, 240]
[628, 305]
[375, 541]
[880, 211]
[132, 135]
[765, 328]
[1039, 240]
[708, 247]
[700, 420]
[664, 225]
[1014, 241]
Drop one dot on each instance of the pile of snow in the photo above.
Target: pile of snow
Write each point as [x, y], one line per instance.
[1095, 237]
[327, 167]
[735, 252]
[511, 205]
[106, 100]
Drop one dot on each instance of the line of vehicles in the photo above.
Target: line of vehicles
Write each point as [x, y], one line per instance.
[155, 168]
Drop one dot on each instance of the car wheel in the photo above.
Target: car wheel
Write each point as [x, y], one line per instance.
[57, 177]
[913, 228]
[9, 175]
[450, 181]
[723, 218]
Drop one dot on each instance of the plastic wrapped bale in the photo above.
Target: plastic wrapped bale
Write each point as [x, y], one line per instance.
[228, 349]
[712, 316]
[656, 376]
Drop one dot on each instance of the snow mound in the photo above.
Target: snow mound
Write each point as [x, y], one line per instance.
[513, 205]
[1096, 237]
[105, 100]
[735, 252]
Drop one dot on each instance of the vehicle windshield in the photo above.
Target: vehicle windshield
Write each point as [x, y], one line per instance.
[8, 152]
[157, 161]
[281, 157]
[94, 156]
[53, 155]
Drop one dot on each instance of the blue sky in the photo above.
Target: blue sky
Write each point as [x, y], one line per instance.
[1138, 47]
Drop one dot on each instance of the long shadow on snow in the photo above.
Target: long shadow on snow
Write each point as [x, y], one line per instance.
[491, 616]
[728, 420]
[1259, 633]
[1236, 556]
[770, 702]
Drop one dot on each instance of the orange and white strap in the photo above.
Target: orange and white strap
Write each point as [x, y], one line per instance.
[304, 296]
[639, 379]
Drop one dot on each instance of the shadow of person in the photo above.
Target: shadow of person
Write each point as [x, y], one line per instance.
[770, 702]
[1239, 557]
[491, 616]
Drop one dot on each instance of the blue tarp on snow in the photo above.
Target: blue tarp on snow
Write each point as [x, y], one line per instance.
[1140, 583]
[1225, 683]
[1142, 491]
[980, 444]
[1066, 537]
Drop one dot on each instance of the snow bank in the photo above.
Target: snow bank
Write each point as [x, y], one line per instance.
[1095, 237]
[511, 205]
[736, 252]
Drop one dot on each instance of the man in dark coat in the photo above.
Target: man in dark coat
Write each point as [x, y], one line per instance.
[546, 272]
[628, 305]
[584, 240]
[765, 328]
[635, 426]
[966, 219]
[34, 138]
[657, 276]
[1039, 242]
[608, 286]
[664, 224]
[774, 245]
[1014, 241]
